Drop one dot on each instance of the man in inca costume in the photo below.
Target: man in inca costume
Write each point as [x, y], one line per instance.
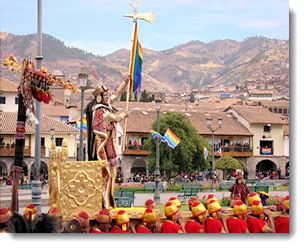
[101, 118]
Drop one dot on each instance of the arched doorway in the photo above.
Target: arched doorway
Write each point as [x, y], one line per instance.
[3, 168]
[138, 170]
[266, 169]
[24, 169]
[287, 169]
[43, 169]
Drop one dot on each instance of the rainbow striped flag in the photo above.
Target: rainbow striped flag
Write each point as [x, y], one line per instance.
[171, 139]
[266, 150]
[136, 63]
[84, 126]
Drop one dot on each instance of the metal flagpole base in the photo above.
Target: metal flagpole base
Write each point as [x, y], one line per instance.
[36, 194]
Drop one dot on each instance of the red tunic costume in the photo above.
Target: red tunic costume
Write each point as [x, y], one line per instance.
[213, 225]
[193, 226]
[236, 225]
[282, 224]
[256, 225]
[170, 227]
[116, 229]
[142, 229]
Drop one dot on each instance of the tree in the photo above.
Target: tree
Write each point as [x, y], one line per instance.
[192, 98]
[145, 97]
[187, 156]
[123, 96]
[228, 164]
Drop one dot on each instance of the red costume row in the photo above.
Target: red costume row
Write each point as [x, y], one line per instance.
[258, 221]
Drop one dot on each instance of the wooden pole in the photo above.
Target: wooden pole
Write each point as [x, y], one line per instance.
[128, 89]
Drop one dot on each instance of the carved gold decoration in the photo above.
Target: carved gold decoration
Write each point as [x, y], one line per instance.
[75, 186]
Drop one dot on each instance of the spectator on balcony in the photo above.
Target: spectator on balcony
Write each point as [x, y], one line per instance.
[135, 143]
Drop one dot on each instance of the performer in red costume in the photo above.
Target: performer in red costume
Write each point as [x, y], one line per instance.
[122, 222]
[103, 222]
[253, 197]
[83, 218]
[170, 225]
[5, 215]
[257, 221]
[213, 223]
[199, 215]
[237, 224]
[282, 222]
[180, 220]
[191, 201]
[149, 219]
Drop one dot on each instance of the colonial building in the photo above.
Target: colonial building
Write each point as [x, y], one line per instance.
[7, 141]
[269, 145]
[276, 107]
[234, 138]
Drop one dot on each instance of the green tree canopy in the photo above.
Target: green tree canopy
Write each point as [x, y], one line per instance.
[228, 164]
[187, 156]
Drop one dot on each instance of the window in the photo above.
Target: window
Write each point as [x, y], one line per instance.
[16, 100]
[119, 141]
[2, 100]
[267, 128]
[266, 147]
[42, 141]
[58, 141]
[280, 111]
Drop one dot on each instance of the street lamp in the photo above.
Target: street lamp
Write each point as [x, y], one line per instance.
[209, 125]
[52, 130]
[157, 172]
[83, 79]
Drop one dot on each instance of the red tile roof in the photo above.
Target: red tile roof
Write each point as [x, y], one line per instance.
[8, 86]
[141, 122]
[257, 114]
[9, 120]
[51, 110]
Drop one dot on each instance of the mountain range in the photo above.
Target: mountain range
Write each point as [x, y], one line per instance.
[193, 65]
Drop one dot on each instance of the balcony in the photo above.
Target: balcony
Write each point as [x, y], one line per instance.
[136, 150]
[10, 151]
[234, 151]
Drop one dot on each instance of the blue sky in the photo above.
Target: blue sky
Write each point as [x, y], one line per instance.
[98, 26]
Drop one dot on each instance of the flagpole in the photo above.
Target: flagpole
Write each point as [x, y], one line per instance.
[128, 88]
[149, 17]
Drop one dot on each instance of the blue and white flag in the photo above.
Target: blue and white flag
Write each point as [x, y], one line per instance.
[220, 151]
[206, 152]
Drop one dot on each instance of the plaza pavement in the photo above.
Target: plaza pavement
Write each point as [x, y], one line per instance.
[140, 198]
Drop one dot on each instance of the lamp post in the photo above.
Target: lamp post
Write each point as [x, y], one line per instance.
[83, 79]
[157, 172]
[36, 183]
[52, 130]
[209, 125]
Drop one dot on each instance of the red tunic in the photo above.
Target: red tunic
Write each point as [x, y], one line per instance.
[142, 229]
[170, 227]
[256, 225]
[213, 225]
[95, 230]
[236, 225]
[116, 229]
[282, 224]
[193, 226]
